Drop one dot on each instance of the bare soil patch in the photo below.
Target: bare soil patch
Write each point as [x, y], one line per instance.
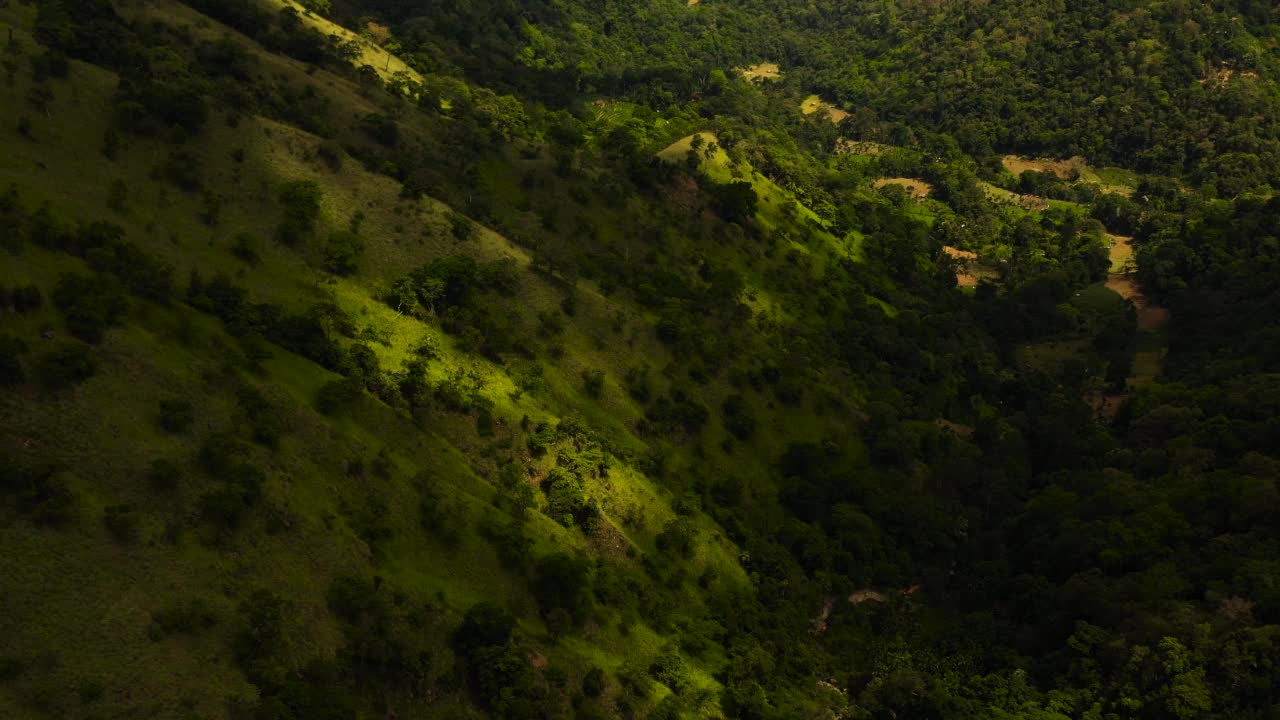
[1221, 77]
[762, 72]
[1105, 405]
[862, 596]
[964, 431]
[969, 271]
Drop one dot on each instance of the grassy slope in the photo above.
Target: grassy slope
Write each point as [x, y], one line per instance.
[95, 617]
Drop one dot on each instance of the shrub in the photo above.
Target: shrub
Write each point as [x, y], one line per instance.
[301, 201]
[163, 475]
[444, 518]
[485, 625]
[247, 248]
[593, 683]
[176, 415]
[225, 507]
[738, 418]
[563, 582]
[122, 522]
[181, 618]
[509, 541]
[593, 382]
[337, 395]
[27, 298]
[90, 303]
[65, 364]
[565, 496]
[11, 348]
[48, 498]
[342, 252]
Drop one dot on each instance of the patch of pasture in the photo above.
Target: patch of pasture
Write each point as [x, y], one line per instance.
[917, 189]
[969, 269]
[814, 104]
[845, 146]
[761, 72]
[1121, 253]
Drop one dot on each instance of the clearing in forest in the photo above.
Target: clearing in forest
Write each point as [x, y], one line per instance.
[1069, 169]
[862, 147]
[969, 270]
[1000, 196]
[761, 72]
[917, 189]
[813, 104]
[1222, 76]
[1075, 169]
[1123, 280]
[371, 52]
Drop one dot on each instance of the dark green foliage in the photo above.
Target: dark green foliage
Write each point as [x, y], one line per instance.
[593, 683]
[1021, 544]
[337, 395]
[509, 539]
[188, 617]
[91, 303]
[381, 128]
[563, 582]
[735, 201]
[26, 298]
[301, 202]
[11, 350]
[43, 494]
[443, 517]
[593, 382]
[247, 247]
[566, 499]
[677, 537]
[163, 475]
[485, 625]
[263, 632]
[64, 364]
[122, 522]
[240, 488]
[184, 170]
[738, 418]
[342, 252]
[176, 415]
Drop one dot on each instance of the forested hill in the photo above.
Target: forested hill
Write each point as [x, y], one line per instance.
[1166, 87]
[589, 359]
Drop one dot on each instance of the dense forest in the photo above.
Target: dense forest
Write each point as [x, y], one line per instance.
[665, 359]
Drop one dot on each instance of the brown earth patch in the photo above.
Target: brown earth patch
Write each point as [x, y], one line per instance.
[917, 189]
[845, 146]
[1105, 405]
[862, 596]
[969, 270]
[1068, 169]
[963, 431]
[1221, 77]
[824, 615]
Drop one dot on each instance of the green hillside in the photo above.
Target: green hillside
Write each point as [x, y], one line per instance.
[381, 359]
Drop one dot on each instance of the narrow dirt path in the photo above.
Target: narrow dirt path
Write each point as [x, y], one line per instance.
[1148, 359]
